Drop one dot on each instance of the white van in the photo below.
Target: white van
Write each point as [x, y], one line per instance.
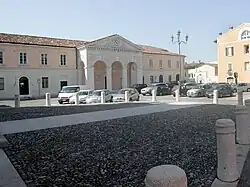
[69, 91]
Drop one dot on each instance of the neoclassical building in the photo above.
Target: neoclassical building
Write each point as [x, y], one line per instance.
[233, 53]
[33, 65]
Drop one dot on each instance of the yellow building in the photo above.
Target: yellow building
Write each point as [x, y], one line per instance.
[233, 54]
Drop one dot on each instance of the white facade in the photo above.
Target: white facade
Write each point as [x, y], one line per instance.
[207, 73]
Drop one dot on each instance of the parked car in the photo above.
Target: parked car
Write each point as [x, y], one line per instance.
[69, 91]
[83, 94]
[183, 88]
[161, 89]
[245, 87]
[120, 96]
[223, 89]
[234, 87]
[199, 90]
[96, 96]
[138, 87]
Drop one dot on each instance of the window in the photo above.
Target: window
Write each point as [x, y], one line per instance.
[229, 67]
[216, 71]
[169, 64]
[246, 49]
[245, 35]
[1, 83]
[151, 79]
[22, 58]
[247, 66]
[229, 51]
[1, 57]
[151, 63]
[45, 82]
[160, 64]
[44, 59]
[177, 64]
[63, 60]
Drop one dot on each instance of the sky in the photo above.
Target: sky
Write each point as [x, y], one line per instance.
[148, 22]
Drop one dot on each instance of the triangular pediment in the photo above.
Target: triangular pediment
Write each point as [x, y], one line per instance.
[114, 42]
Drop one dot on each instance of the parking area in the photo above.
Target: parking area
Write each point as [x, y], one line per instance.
[162, 99]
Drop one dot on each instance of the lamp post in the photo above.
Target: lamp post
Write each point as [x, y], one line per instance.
[179, 42]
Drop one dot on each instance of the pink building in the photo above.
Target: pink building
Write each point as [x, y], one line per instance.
[32, 65]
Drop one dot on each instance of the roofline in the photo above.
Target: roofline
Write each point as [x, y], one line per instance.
[232, 30]
[171, 54]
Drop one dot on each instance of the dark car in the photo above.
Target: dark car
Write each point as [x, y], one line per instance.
[183, 89]
[161, 89]
[223, 89]
[138, 87]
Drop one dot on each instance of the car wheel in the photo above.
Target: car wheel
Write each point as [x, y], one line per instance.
[199, 94]
[160, 93]
[138, 99]
[248, 90]
[234, 90]
[220, 96]
[130, 99]
[60, 102]
[143, 94]
[111, 99]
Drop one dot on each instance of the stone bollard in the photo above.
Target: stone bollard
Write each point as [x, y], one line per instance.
[247, 103]
[227, 170]
[166, 176]
[126, 96]
[153, 95]
[77, 98]
[215, 97]
[240, 97]
[242, 125]
[102, 97]
[48, 99]
[17, 101]
[177, 95]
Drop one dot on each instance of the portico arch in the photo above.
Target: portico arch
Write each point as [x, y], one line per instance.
[131, 73]
[116, 75]
[100, 79]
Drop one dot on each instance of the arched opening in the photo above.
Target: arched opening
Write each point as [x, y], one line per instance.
[116, 75]
[131, 74]
[230, 80]
[177, 77]
[24, 86]
[160, 78]
[199, 78]
[100, 79]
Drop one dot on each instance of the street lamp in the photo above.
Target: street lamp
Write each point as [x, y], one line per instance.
[179, 42]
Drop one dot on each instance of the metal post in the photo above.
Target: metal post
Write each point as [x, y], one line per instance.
[102, 97]
[227, 170]
[177, 95]
[153, 95]
[77, 98]
[48, 99]
[166, 176]
[17, 101]
[126, 96]
[242, 125]
[215, 97]
[240, 97]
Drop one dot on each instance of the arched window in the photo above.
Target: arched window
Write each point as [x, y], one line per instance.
[245, 35]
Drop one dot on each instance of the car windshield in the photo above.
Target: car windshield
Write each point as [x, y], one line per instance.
[84, 93]
[69, 89]
[197, 87]
[97, 93]
[190, 86]
[122, 91]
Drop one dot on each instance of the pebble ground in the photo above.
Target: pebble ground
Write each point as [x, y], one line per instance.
[118, 153]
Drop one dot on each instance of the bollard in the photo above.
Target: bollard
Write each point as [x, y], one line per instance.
[242, 126]
[153, 95]
[102, 97]
[17, 101]
[77, 98]
[215, 96]
[240, 97]
[177, 95]
[166, 176]
[227, 171]
[247, 103]
[48, 99]
[126, 96]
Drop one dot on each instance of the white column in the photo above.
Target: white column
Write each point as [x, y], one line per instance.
[48, 99]
[90, 79]
[126, 96]
[109, 78]
[227, 170]
[102, 97]
[166, 176]
[139, 75]
[77, 98]
[177, 95]
[17, 101]
[124, 77]
[153, 95]
[215, 96]
[242, 125]
[240, 97]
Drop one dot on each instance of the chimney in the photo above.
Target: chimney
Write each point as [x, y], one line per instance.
[231, 28]
[220, 33]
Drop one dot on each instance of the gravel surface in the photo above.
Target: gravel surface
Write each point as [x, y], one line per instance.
[9, 114]
[118, 153]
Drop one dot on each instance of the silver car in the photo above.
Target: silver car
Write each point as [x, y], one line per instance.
[199, 90]
[96, 96]
[120, 96]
